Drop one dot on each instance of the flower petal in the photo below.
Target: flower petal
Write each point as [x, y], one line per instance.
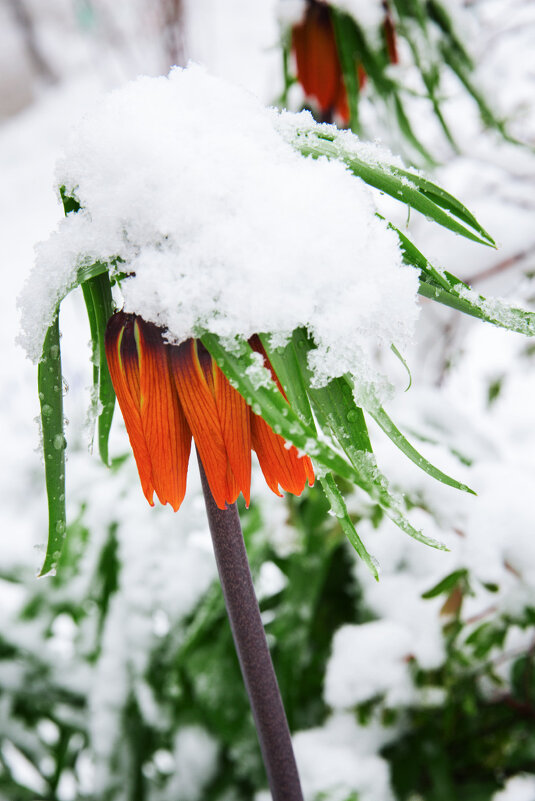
[280, 464]
[217, 417]
[166, 431]
[318, 66]
[235, 428]
[123, 363]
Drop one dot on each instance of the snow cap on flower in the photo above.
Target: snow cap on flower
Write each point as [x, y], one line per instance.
[189, 184]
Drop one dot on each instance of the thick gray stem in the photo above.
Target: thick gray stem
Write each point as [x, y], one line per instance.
[252, 649]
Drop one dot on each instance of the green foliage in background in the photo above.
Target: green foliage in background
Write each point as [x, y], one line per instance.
[420, 35]
[460, 747]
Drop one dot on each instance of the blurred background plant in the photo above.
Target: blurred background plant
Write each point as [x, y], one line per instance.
[397, 54]
[117, 676]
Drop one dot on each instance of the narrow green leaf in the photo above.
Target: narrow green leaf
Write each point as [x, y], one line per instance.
[444, 288]
[395, 435]
[100, 289]
[356, 47]
[336, 410]
[492, 311]
[339, 508]
[447, 584]
[347, 55]
[286, 366]
[446, 201]
[424, 52]
[335, 407]
[410, 188]
[406, 129]
[414, 257]
[284, 362]
[414, 9]
[396, 352]
[438, 13]
[50, 386]
[89, 271]
[93, 329]
[456, 64]
[265, 399]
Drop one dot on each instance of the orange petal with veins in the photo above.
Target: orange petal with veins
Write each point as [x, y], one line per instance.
[165, 428]
[123, 363]
[218, 418]
[280, 464]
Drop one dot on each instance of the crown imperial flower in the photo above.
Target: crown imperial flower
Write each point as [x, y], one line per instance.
[318, 65]
[171, 393]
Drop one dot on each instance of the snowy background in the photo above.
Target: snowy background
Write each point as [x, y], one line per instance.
[94, 701]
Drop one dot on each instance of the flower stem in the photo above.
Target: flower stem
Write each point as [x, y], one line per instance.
[252, 649]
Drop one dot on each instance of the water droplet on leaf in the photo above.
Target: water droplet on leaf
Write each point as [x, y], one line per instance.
[59, 442]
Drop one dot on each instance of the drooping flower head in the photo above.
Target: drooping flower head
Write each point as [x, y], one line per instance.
[318, 65]
[171, 393]
[319, 70]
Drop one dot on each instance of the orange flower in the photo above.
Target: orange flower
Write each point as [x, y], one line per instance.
[169, 393]
[318, 65]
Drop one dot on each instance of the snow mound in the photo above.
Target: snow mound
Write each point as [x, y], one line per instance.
[189, 182]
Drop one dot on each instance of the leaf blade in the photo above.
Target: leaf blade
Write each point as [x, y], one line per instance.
[401, 442]
[49, 379]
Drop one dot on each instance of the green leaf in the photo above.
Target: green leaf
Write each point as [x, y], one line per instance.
[438, 13]
[396, 353]
[286, 365]
[407, 187]
[336, 410]
[93, 329]
[447, 584]
[406, 129]
[343, 25]
[427, 61]
[86, 272]
[414, 257]
[338, 506]
[395, 435]
[70, 204]
[267, 401]
[457, 65]
[491, 310]
[445, 288]
[99, 305]
[50, 386]
[351, 40]
[444, 200]
[100, 289]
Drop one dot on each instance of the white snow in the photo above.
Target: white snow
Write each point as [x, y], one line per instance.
[340, 758]
[187, 180]
[369, 14]
[517, 788]
[367, 661]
